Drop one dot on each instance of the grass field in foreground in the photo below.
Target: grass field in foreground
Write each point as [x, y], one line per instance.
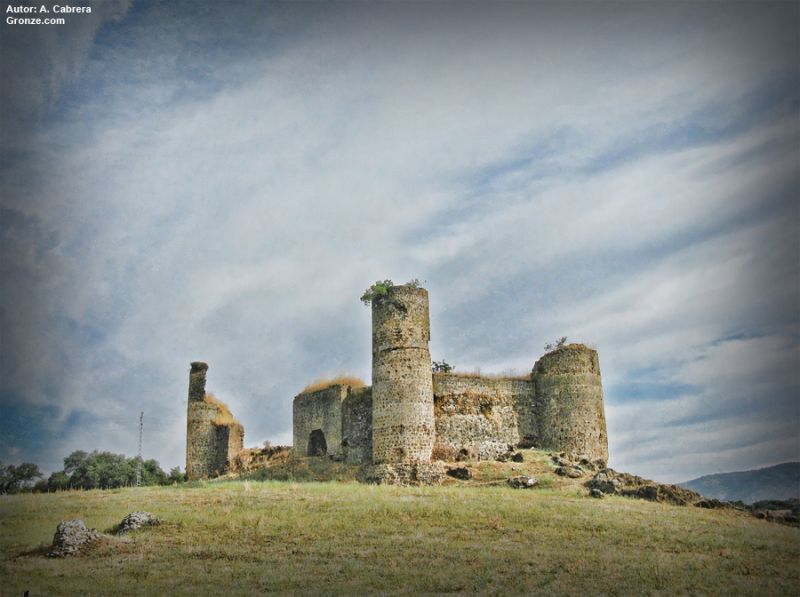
[249, 537]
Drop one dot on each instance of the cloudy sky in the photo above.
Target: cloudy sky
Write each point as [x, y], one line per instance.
[220, 181]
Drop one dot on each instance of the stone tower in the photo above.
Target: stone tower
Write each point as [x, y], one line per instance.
[213, 437]
[568, 399]
[403, 425]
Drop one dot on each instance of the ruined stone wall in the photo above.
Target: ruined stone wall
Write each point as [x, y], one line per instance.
[320, 410]
[357, 426]
[569, 402]
[212, 438]
[204, 458]
[402, 388]
[232, 437]
[480, 417]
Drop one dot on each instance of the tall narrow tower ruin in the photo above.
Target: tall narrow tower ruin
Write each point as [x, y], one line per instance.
[213, 436]
[403, 425]
[199, 430]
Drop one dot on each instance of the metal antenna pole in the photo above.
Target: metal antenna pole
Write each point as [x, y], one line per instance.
[139, 458]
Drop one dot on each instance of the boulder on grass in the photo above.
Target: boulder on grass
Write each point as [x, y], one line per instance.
[135, 521]
[70, 537]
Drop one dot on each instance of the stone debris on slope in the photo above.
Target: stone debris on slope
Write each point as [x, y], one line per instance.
[607, 481]
[573, 472]
[511, 455]
[523, 482]
[70, 537]
[610, 481]
[574, 466]
[460, 472]
[781, 511]
[413, 473]
[579, 461]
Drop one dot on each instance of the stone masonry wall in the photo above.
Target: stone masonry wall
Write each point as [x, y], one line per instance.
[318, 410]
[357, 426]
[203, 455]
[402, 388]
[231, 438]
[211, 446]
[480, 417]
[569, 402]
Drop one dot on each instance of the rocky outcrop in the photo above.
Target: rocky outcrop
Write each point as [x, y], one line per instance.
[781, 511]
[610, 481]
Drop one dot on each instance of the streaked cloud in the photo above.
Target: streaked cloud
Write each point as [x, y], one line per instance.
[220, 182]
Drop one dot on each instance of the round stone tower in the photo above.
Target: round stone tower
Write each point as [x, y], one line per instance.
[569, 402]
[201, 434]
[402, 385]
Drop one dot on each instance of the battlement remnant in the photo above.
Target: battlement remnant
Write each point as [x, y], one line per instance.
[197, 380]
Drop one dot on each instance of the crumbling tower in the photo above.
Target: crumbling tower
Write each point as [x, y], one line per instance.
[213, 436]
[402, 386]
[568, 399]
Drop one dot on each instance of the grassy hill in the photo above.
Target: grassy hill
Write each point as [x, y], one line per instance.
[779, 482]
[251, 537]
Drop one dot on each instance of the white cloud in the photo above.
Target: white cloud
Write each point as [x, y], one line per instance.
[241, 223]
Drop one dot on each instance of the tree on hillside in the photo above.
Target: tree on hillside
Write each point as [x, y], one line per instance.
[15, 478]
[101, 470]
[104, 470]
[57, 481]
[176, 476]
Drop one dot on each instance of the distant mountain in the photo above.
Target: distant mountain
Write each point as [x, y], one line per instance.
[779, 482]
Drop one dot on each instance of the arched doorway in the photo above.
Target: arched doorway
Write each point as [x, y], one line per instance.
[316, 443]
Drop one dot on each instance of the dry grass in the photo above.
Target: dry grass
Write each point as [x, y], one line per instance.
[224, 415]
[341, 380]
[289, 538]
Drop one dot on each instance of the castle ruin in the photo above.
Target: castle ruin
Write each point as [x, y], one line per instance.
[411, 417]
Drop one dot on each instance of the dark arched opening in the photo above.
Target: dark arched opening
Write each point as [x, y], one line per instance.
[316, 443]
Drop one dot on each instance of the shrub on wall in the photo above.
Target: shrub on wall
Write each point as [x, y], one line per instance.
[551, 346]
[380, 290]
[377, 291]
